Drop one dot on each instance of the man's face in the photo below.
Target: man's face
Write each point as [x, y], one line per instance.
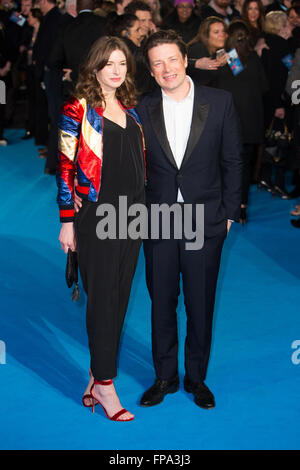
[168, 67]
[42, 4]
[145, 19]
[26, 6]
[222, 3]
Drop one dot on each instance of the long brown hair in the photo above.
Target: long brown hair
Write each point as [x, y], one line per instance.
[261, 19]
[88, 86]
[204, 30]
[239, 39]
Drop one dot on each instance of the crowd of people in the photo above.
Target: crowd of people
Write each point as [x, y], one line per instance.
[192, 100]
[43, 43]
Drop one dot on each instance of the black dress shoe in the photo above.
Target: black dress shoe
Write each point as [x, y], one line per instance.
[155, 394]
[264, 185]
[295, 193]
[202, 395]
[27, 136]
[277, 191]
[295, 223]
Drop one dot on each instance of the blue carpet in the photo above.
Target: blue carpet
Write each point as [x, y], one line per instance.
[251, 373]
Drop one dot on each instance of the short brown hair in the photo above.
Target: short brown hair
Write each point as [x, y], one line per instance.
[163, 37]
[88, 86]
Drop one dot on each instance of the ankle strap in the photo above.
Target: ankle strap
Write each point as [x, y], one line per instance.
[103, 382]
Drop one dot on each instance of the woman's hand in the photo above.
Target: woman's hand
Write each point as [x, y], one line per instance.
[222, 60]
[205, 63]
[67, 236]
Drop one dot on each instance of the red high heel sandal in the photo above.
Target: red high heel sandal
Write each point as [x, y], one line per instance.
[88, 396]
[116, 415]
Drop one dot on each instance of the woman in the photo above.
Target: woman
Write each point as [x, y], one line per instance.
[183, 20]
[101, 140]
[253, 14]
[202, 58]
[128, 28]
[275, 60]
[247, 88]
[34, 20]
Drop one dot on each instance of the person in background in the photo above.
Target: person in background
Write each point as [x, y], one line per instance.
[294, 93]
[220, 8]
[34, 91]
[253, 14]
[278, 5]
[203, 62]
[183, 20]
[129, 29]
[155, 8]
[293, 14]
[7, 55]
[238, 5]
[143, 12]
[278, 31]
[248, 89]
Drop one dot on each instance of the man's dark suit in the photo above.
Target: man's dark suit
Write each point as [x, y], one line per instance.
[211, 174]
[72, 47]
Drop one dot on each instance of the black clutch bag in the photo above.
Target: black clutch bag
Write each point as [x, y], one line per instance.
[72, 273]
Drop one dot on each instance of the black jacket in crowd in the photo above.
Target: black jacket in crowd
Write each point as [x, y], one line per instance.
[75, 40]
[248, 89]
[276, 72]
[187, 30]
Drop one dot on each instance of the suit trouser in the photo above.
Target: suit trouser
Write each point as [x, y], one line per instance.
[107, 268]
[165, 260]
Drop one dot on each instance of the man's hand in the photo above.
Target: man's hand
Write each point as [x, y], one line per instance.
[228, 225]
[280, 113]
[67, 75]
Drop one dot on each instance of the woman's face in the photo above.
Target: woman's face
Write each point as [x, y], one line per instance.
[114, 73]
[184, 11]
[217, 36]
[31, 20]
[253, 12]
[135, 33]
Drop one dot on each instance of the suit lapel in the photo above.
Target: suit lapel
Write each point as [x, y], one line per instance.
[200, 114]
[158, 124]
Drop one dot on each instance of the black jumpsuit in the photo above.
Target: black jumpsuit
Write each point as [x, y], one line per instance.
[107, 266]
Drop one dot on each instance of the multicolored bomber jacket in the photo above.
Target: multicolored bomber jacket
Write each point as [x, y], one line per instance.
[80, 148]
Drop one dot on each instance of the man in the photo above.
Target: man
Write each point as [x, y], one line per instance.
[143, 12]
[72, 46]
[221, 9]
[192, 156]
[52, 21]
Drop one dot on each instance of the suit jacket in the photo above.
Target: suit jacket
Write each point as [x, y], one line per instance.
[211, 170]
[72, 46]
[47, 33]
